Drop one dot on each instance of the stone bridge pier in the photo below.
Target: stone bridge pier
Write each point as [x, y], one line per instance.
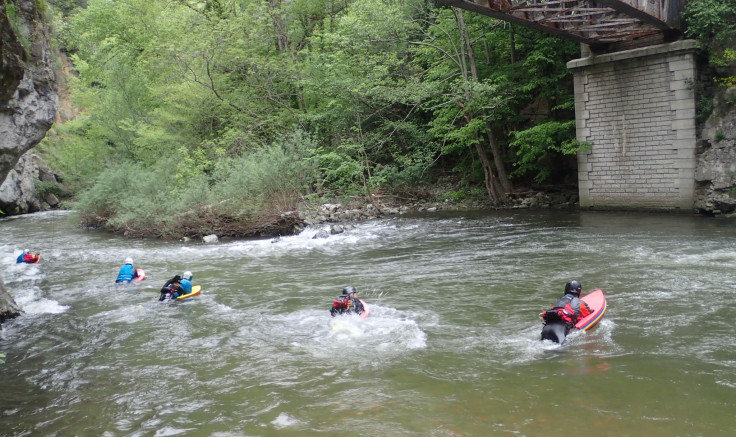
[636, 110]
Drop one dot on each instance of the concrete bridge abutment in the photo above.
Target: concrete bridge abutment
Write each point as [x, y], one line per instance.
[636, 110]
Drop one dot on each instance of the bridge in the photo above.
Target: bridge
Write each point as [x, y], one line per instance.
[602, 25]
[634, 99]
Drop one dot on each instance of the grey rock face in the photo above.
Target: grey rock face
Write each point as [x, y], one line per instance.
[715, 172]
[22, 192]
[28, 93]
[8, 308]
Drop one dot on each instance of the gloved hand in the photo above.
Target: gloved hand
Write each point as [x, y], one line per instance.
[175, 294]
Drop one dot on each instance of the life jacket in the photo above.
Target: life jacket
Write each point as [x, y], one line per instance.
[562, 311]
[126, 273]
[186, 286]
[30, 258]
[342, 304]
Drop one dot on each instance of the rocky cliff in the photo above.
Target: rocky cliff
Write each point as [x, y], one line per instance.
[28, 96]
[30, 187]
[715, 172]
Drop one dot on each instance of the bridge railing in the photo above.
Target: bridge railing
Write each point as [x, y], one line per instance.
[592, 22]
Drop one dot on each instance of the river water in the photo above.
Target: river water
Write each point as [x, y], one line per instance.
[450, 349]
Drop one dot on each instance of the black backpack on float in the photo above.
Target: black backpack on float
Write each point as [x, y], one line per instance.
[557, 315]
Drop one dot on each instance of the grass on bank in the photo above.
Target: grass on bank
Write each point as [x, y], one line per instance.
[237, 197]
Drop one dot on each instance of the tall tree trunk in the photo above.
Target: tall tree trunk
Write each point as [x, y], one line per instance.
[497, 185]
[491, 186]
[279, 25]
[283, 45]
[512, 43]
[503, 178]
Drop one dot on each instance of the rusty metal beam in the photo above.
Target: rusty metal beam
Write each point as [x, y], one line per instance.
[592, 22]
[633, 12]
[500, 15]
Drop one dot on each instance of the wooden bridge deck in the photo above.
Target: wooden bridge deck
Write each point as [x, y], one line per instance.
[604, 25]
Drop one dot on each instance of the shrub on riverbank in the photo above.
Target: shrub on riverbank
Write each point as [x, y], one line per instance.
[237, 197]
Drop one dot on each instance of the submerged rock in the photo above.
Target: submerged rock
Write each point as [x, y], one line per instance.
[8, 308]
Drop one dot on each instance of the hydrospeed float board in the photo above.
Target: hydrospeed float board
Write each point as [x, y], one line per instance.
[366, 308]
[140, 275]
[597, 302]
[195, 292]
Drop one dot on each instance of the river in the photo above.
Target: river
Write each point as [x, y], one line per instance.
[451, 347]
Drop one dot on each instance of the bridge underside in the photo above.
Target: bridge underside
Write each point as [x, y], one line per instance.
[636, 109]
[603, 25]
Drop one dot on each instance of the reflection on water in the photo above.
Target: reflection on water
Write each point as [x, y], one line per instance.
[450, 348]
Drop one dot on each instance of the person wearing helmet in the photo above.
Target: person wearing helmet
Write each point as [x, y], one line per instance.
[177, 286]
[568, 309]
[28, 257]
[171, 289]
[186, 282]
[127, 271]
[347, 303]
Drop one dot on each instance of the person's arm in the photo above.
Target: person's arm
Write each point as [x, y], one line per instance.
[176, 278]
[585, 309]
[358, 306]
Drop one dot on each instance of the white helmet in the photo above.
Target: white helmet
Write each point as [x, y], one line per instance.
[187, 275]
[26, 250]
[128, 260]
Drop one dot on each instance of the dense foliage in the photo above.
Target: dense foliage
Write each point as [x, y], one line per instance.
[713, 24]
[201, 115]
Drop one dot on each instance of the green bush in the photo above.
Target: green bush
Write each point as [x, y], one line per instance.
[534, 147]
[396, 178]
[457, 196]
[43, 188]
[132, 196]
[713, 24]
[280, 173]
[342, 169]
[176, 197]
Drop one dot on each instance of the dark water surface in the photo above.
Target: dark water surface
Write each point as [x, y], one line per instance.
[450, 349]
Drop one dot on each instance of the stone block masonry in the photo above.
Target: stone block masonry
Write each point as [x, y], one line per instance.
[636, 109]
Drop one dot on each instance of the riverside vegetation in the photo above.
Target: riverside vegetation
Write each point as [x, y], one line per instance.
[218, 116]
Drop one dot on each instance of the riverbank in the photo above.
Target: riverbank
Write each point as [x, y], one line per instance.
[210, 226]
[359, 209]
[211, 223]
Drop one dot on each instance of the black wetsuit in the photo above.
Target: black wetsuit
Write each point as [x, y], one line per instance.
[555, 327]
[170, 287]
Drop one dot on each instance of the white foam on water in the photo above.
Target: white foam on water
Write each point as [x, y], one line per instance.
[44, 306]
[284, 420]
[169, 431]
[313, 335]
